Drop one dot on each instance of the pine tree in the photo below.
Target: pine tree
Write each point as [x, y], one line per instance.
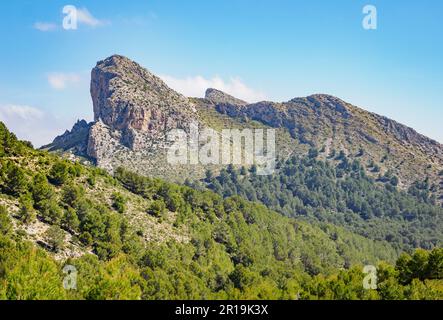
[72, 194]
[51, 211]
[119, 202]
[41, 189]
[16, 181]
[5, 221]
[70, 220]
[157, 208]
[27, 213]
[55, 237]
[435, 264]
[59, 173]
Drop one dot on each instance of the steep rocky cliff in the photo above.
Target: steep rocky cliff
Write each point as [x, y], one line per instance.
[133, 112]
[128, 98]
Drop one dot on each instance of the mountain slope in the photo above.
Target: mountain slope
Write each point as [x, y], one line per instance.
[339, 192]
[327, 122]
[137, 237]
[134, 110]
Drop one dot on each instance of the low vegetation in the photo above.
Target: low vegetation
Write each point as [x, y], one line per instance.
[218, 247]
[341, 193]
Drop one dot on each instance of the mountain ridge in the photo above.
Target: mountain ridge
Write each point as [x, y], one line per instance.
[134, 109]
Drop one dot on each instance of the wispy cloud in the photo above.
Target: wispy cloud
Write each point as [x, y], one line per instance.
[19, 111]
[60, 81]
[31, 124]
[85, 17]
[45, 26]
[197, 85]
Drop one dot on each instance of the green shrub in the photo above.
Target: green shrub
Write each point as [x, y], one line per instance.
[50, 211]
[157, 209]
[119, 202]
[5, 221]
[59, 173]
[41, 190]
[55, 238]
[72, 194]
[91, 180]
[26, 213]
[86, 239]
[16, 181]
[70, 220]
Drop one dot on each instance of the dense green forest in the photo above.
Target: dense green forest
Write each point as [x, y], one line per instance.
[233, 248]
[341, 193]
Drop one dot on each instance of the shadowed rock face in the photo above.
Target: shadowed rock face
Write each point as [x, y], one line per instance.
[75, 140]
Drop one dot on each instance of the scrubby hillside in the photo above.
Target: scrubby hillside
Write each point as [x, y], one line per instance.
[340, 192]
[334, 126]
[132, 237]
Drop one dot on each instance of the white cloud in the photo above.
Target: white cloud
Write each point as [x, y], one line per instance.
[45, 26]
[85, 17]
[60, 81]
[20, 112]
[31, 124]
[196, 87]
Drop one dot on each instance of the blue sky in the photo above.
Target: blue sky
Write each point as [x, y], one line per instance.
[256, 50]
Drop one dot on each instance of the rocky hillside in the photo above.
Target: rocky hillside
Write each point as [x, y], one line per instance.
[332, 125]
[134, 237]
[133, 111]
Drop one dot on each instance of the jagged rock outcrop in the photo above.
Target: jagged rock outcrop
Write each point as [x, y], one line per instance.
[129, 98]
[133, 112]
[75, 140]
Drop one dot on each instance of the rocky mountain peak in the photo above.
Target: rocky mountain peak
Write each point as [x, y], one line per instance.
[75, 140]
[127, 96]
[134, 110]
[220, 97]
[80, 124]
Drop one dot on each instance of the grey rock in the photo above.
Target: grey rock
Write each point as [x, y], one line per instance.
[219, 97]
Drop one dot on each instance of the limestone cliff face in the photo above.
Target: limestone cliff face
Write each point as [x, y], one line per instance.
[128, 98]
[133, 112]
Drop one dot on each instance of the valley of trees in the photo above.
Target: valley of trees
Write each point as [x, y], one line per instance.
[341, 193]
[234, 249]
